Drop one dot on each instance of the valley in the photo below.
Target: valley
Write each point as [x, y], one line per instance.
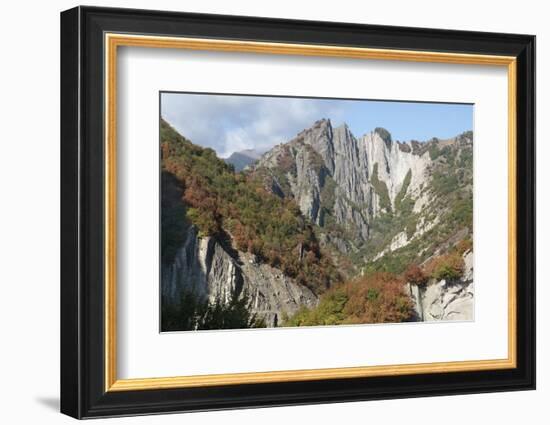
[323, 229]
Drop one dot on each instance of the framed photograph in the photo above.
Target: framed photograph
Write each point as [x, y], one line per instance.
[261, 212]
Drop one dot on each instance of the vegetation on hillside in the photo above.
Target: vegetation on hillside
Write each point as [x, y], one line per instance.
[399, 205]
[381, 189]
[194, 312]
[380, 297]
[377, 298]
[173, 223]
[447, 215]
[384, 135]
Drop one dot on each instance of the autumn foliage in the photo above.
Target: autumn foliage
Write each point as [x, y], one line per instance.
[415, 275]
[464, 245]
[236, 208]
[448, 266]
[378, 298]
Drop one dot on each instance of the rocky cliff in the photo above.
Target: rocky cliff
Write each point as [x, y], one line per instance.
[204, 267]
[352, 187]
[350, 169]
[446, 299]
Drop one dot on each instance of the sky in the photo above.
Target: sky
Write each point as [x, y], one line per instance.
[232, 123]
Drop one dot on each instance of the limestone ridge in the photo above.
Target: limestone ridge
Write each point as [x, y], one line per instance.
[341, 181]
[323, 152]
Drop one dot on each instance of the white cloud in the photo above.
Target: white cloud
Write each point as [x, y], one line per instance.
[234, 123]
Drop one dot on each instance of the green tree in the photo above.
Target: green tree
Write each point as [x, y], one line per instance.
[448, 267]
[194, 312]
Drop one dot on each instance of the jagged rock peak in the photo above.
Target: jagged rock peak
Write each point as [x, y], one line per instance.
[320, 128]
[384, 134]
[334, 176]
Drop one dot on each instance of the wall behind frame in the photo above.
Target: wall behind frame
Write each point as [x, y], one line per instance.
[29, 219]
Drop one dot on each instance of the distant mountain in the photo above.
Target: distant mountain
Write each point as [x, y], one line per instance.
[242, 159]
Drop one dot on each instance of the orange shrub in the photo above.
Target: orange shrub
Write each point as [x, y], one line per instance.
[415, 275]
[378, 298]
[464, 245]
[448, 267]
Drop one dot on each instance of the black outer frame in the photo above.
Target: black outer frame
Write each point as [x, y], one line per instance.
[82, 203]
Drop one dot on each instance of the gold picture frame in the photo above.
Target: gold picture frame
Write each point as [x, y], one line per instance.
[91, 40]
[114, 41]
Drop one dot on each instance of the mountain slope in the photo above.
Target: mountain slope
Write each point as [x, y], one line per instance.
[370, 196]
[323, 229]
[222, 230]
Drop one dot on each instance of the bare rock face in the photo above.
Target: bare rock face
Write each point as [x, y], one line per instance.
[444, 300]
[273, 294]
[394, 162]
[329, 171]
[187, 271]
[307, 183]
[204, 267]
